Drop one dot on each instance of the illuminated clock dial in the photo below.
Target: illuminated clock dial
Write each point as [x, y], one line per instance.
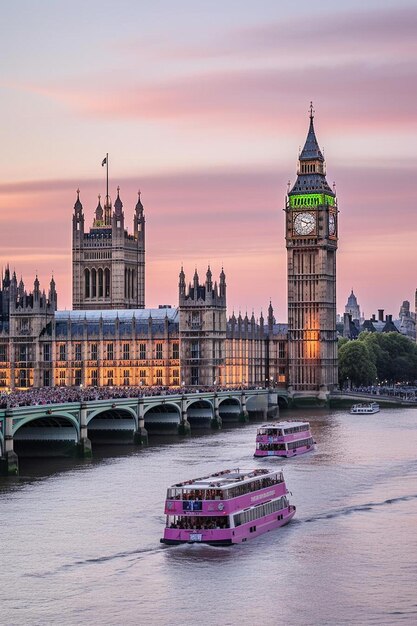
[332, 224]
[304, 223]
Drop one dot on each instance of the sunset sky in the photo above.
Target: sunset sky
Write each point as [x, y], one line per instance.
[203, 106]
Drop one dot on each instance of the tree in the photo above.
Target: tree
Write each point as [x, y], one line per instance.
[390, 357]
[395, 356]
[356, 364]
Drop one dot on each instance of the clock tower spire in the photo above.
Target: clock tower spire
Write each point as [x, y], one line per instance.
[311, 241]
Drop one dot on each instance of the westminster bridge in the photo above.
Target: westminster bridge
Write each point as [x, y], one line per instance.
[74, 427]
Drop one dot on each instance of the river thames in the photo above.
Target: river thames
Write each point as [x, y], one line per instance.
[80, 540]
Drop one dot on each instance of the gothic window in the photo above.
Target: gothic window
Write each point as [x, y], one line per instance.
[175, 350]
[3, 353]
[87, 283]
[142, 351]
[175, 378]
[3, 379]
[93, 283]
[133, 290]
[110, 352]
[109, 378]
[23, 353]
[126, 377]
[61, 380]
[107, 282]
[94, 378]
[77, 352]
[126, 352]
[125, 283]
[159, 377]
[194, 375]
[100, 283]
[77, 378]
[62, 352]
[159, 351]
[142, 376]
[94, 353]
[195, 349]
[23, 378]
[47, 352]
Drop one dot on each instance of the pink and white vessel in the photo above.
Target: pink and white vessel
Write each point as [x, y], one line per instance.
[284, 439]
[227, 507]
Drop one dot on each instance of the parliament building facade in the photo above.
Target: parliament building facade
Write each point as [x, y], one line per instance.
[111, 339]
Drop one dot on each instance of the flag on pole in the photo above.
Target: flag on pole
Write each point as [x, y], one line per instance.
[104, 161]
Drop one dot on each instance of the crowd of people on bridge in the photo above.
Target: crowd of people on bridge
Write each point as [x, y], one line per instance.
[405, 392]
[60, 395]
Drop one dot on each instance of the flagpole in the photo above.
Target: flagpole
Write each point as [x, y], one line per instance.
[107, 178]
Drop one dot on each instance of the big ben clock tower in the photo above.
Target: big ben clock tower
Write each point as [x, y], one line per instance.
[311, 241]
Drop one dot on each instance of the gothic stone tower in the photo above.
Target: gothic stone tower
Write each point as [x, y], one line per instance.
[311, 241]
[202, 327]
[108, 263]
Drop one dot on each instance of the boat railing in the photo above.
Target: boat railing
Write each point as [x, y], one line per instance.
[226, 493]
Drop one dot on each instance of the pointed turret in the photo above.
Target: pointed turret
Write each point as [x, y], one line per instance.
[181, 283]
[36, 291]
[78, 219]
[209, 283]
[118, 204]
[311, 175]
[195, 284]
[222, 284]
[98, 219]
[271, 319]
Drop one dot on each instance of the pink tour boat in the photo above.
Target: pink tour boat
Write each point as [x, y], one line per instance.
[284, 439]
[227, 507]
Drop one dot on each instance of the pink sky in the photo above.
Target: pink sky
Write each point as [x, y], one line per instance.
[207, 121]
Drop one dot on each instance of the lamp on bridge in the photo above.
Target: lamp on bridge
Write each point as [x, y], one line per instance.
[113, 406]
[49, 411]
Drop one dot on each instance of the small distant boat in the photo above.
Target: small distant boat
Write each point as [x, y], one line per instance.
[284, 439]
[365, 408]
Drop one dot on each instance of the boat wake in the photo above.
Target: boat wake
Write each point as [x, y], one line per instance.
[95, 560]
[358, 508]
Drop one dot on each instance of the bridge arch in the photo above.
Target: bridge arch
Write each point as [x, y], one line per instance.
[162, 417]
[200, 412]
[230, 409]
[46, 434]
[112, 425]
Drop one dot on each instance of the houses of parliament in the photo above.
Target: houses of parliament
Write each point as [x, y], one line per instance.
[111, 339]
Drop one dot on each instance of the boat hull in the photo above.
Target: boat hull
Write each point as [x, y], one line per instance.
[283, 453]
[228, 536]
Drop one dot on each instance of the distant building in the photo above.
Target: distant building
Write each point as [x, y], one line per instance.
[193, 344]
[108, 263]
[407, 322]
[352, 307]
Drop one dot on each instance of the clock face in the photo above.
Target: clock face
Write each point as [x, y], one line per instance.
[332, 224]
[304, 223]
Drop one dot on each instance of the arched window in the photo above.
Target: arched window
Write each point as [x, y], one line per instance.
[107, 282]
[125, 282]
[93, 283]
[87, 283]
[133, 291]
[100, 283]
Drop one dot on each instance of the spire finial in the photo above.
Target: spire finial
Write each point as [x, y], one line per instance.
[311, 111]
[288, 186]
[118, 189]
[78, 193]
[99, 197]
[139, 194]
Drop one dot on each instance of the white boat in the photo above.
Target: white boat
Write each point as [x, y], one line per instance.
[365, 409]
